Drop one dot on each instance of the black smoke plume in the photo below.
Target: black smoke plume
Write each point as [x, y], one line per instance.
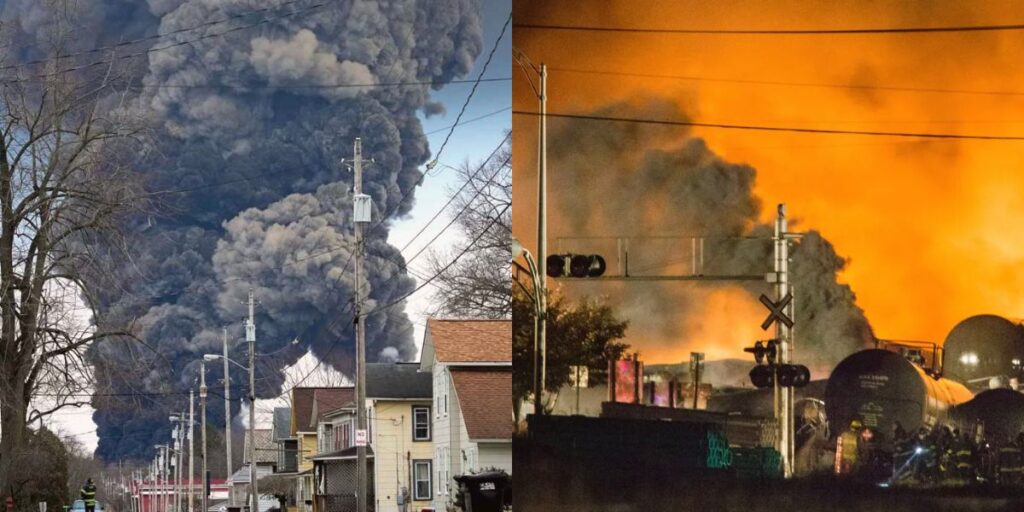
[647, 181]
[254, 108]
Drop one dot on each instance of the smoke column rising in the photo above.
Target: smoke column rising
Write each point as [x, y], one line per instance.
[658, 181]
[240, 107]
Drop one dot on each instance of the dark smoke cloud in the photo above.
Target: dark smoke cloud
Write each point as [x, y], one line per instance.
[192, 265]
[649, 181]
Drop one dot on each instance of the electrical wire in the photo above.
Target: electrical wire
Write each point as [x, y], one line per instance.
[794, 32]
[149, 51]
[437, 156]
[315, 86]
[154, 37]
[673, 122]
[872, 87]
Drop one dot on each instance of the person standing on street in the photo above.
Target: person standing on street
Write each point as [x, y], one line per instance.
[89, 495]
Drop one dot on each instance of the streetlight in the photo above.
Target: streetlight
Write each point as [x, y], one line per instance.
[253, 489]
[202, 405]
[541, 91]
[539, 311]
[161, 474]
[181, 420]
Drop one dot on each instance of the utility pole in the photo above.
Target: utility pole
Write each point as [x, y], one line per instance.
[202, 408]
[542, 245]
[784, 414]
[191, 449]
[250, 336]
[227, 414]
[362, 206]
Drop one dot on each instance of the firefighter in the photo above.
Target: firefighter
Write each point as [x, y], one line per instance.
[846, 449]
[89, 495]
[902, 450]
[1010, 463]
[964, 457]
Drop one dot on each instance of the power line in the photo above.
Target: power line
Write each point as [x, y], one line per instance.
[789, 84]
[671, 122]
[467, 121]
[170, 46]
[316, 86]
[795, 32]
[446, 267]
[437, 156]
[479, 78]
[153, 37]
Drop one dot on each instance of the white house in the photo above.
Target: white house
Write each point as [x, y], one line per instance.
[471, 364]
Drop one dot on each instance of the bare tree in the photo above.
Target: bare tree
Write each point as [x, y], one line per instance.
[65, 185]
[477, 284]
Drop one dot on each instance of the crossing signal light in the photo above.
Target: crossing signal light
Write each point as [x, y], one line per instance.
[575, 265]
[794, 375]
[762, 376]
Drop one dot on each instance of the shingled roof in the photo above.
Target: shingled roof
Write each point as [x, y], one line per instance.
[398, 381]
[470, 341]
[265, 447]
[484, 396]
[321, 400]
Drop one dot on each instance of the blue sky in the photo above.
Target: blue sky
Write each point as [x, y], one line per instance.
[470, 142]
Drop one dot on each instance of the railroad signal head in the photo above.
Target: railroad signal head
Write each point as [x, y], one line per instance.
[586, 265]
[575, 265]
[557, 265]
[771, 351]
[758, 350]
[794, 375]
[762, 376]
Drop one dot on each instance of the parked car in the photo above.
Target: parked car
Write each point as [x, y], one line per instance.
[79, 506]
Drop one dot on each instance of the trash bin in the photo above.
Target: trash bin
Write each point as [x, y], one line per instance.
[487, 491]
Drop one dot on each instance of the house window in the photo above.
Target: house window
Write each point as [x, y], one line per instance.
[444, 391]
[421, 423]
[447, 468]
[346, 435]
[439, 455]
[421, 471]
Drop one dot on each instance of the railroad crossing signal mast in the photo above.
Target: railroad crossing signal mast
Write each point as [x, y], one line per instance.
[784, 333]
[784, 375]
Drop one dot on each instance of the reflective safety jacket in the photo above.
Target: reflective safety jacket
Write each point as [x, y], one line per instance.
[89, 494]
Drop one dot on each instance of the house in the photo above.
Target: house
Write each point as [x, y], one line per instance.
[266, 461]
[470, 362]
[287, 445]
[334, 466]
[308, 406]
[399, 399]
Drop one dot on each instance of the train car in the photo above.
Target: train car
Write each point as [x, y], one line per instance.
[981, 348]
[1000, 412]
[879, 388]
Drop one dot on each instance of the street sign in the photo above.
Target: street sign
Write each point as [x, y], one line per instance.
[776, 311]
[360, 437]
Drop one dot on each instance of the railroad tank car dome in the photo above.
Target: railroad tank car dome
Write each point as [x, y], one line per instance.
[1000, 411]
[982, 347]
[879, 388]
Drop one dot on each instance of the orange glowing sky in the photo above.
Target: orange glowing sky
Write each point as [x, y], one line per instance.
[931, 228]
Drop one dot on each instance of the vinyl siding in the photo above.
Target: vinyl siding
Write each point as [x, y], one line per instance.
[394, 449]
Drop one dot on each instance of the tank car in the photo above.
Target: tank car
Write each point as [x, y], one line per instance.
[999, 411]
[879, 388]
[982, 347]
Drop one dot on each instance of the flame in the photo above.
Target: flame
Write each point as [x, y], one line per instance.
[930, 227]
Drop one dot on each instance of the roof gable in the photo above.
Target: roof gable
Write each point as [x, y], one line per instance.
[309, 401]
[468, 341]
[484, 396]
[398, 381]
